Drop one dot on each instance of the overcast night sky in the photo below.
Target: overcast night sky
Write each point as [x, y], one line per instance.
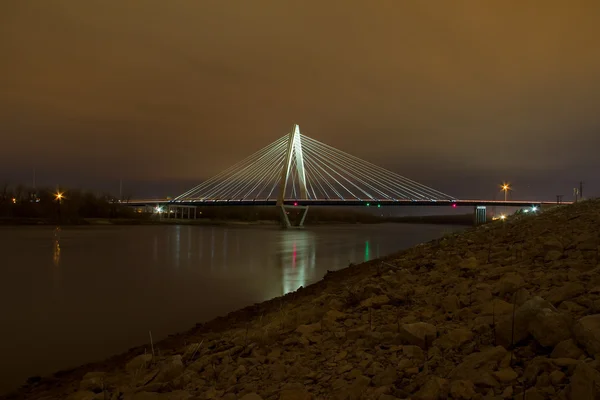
[459, 95]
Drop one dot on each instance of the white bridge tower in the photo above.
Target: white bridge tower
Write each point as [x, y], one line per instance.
[294, 150]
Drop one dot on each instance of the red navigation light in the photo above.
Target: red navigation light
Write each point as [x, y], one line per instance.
[453, 205]
[295, 203]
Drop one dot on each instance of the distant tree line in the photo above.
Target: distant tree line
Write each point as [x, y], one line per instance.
[20, 202]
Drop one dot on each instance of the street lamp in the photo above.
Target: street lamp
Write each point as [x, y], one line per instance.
[58, 196]
[506, 188]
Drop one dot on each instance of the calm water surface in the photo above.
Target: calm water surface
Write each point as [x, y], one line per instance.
[78, 295]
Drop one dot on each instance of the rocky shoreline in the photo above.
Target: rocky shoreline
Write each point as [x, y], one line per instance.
[507, 310]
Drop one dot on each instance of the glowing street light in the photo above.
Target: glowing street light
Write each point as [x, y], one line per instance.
[59, 196]
[506, 188]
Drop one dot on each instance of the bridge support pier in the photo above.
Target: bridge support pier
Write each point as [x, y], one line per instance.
[285, 220]
[181, 212]
[480, 215]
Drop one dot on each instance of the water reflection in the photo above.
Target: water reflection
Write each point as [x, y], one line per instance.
[56, 273]
[296, 255]
[137, 267]
[177, 245]
[225, 248]
[56, 247]
[212, 247]
[155, 249]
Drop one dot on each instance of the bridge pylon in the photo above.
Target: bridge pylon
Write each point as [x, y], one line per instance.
[293, 158]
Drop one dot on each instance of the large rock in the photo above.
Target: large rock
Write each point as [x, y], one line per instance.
[587, 333]
[309, 329]
[523, 316]
[138, 363]
[496, 307]
[550, 327]
[294, 391]
[478, 367]
[469, 263]
[84, 395]
[386, 377]
[533, 394]
[557, 377]
[451, 303]
[191, 351]
[585, 383]
[251, 396]
[92, 381]
[571, 307]
[587, 242]
[552, 255]
[566, 349]
[464, 390]
[565, 292]
[332, 316]
[505, 375]
[454, 339]
[174, 395]
[419, 334]
[521, 296]
[435, 388]
[553, 243]
[357, 388]
[509, 283]
[170, 369]
[375, 301]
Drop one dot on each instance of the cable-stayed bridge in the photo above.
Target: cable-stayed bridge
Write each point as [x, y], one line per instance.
[298, 171]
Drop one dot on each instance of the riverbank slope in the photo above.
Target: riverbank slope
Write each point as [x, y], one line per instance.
[499, 311]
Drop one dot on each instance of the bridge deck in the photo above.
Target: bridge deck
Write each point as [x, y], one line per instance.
[337, 202]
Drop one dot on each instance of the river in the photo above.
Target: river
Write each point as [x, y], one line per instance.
[80, 294]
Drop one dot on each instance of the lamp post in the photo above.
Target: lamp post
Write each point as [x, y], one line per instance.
[506, 188]
[58, 196]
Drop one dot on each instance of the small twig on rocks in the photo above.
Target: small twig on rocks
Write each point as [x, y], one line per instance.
[512, 333]
[196, 351]
[470, 296]
[216, 376]
[283, 316]
[246, 335]
[151, 343]
[494, 320]
[391, 265]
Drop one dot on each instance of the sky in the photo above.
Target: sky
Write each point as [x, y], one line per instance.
[459, 95]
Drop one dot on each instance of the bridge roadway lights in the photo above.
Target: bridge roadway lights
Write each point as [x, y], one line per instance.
[285, 220]
[480, 215]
